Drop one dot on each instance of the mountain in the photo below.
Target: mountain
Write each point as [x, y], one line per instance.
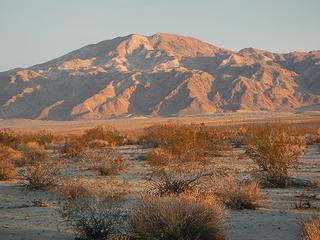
[160, 75]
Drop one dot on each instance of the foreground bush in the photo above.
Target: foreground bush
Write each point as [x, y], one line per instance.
[95, 218]
[275, 150]
[176, 218]
[8, 156]
[311, 229]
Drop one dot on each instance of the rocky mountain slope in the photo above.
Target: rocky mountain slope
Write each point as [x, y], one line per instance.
[160, 75]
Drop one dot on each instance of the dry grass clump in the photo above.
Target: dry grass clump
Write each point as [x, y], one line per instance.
[95, 218]
[32, 153]
[173, 182]
[8, 157]
[41, 175]
[275, 150]
[176, 217]
[107, 134]
[106, 162]
[311, 229]
[240, 196]
[193, 142]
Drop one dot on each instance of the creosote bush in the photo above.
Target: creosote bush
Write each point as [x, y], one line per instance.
[8, 157]
[275, 150]
[177, 217]
[311, 229]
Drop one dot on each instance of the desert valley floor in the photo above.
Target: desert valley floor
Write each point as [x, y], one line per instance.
[279, 218]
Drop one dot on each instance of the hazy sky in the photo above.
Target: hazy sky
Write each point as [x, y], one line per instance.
[34, 31]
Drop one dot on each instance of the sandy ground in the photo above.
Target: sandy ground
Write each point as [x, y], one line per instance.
[137, 124]
[278, 219]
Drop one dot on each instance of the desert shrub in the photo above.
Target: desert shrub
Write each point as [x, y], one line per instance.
[96, 218]
[9, 138]
[8, 156]
[32, 152]
[176, 217]
[106, 162]
[105, 133]
[72, 189]
[311, 229]
[193, 142]
[173, 182]
[160, 157]
[73, 146]
[240, 196]
[41, 175]
[275, 150]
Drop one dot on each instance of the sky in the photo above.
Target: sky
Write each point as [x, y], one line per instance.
[35, 31]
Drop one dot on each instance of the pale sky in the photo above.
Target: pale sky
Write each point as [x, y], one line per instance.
[35, 31]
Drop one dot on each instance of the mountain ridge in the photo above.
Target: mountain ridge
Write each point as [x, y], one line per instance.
[159, 75]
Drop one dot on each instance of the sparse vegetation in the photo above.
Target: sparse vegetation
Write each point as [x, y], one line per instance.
[177, 217]
[193, 142]
[311, 229]
[275, 150]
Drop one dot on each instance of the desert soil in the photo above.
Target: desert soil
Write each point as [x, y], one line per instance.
[278, 219]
